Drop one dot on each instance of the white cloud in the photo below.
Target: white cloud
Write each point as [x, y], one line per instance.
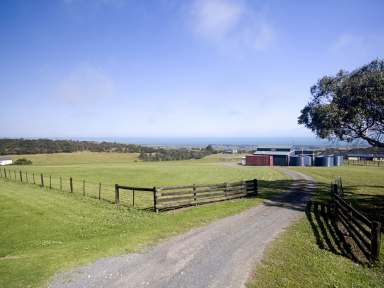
[357, 44]
[85, 84]
[231, 24]
[346, 41]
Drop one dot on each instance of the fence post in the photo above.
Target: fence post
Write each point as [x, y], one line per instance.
[26, 176]
[255, 186]
[61, 184]
[194, 194]
[42, 179]
[375, 241]
[335, 189]
[99, 191]
[50, 182]
[5, 173]
[155, 200]
[322, 209]
[33, 177]
[83, 187]
[117, 196]
[70, 184]
[21, 176]
[133, 197]
[316, 207]
[308, 207]
[225, 189]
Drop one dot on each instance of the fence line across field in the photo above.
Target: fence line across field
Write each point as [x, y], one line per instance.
[365, 163]
[156, 198]
[69, 184]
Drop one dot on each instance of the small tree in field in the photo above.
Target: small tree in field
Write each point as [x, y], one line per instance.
[348, 106]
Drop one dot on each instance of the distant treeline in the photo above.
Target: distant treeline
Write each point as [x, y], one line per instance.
[39, 146]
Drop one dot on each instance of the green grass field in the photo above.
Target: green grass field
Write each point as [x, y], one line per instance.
[127, 169]
[296, 259]
[43, 231]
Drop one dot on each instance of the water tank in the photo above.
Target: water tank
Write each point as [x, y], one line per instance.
[338, 160]
[324, 161]
[297, 161]
[307, 160]
[300, 160]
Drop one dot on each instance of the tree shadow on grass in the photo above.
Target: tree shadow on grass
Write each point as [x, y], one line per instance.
[331, 235]
[370, 205]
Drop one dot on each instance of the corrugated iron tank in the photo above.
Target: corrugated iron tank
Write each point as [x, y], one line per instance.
[300, 160]
[338, 160]
[324, 161]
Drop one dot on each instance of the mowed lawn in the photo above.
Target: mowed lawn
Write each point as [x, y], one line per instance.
[296, 260]
[44, 231]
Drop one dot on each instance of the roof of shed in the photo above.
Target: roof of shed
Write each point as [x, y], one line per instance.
[282, 153]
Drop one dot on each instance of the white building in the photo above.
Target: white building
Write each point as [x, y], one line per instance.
[5, 161]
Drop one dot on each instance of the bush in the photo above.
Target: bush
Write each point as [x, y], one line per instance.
[22, 161]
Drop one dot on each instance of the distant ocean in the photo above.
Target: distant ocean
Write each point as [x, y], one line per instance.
[200, 141]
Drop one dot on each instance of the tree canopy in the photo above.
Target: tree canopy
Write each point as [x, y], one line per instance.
[348, 106]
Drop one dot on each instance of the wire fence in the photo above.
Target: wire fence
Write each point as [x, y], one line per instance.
[100, 191]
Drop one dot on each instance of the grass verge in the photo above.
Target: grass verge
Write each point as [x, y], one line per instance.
[44, 231]
[299, 258]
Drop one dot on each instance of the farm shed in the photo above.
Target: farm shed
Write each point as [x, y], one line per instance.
[5, 161]
[280, 154]
[259, 160]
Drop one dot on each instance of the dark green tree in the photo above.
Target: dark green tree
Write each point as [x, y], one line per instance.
[348, 106]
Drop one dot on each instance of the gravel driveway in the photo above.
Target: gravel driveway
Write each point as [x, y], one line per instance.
[221, 254]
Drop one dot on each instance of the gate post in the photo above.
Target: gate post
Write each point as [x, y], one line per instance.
[255, 186]
[155, 200]
[117, 196]
[375, 241]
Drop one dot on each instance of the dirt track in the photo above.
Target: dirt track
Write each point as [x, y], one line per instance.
[221, 254]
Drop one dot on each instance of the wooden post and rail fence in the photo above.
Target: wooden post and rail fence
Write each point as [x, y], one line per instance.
[172, 197]
[364, 232]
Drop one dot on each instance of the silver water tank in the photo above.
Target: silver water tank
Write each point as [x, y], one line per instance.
[296, 161]
[338, 160]
[300, 160]
[324, 161]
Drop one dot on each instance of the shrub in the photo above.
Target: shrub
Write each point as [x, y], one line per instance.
[22, 161]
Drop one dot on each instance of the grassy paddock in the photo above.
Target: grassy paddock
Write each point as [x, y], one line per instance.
[43, 231]
[363, 186]
[126, 169]
[301, 259]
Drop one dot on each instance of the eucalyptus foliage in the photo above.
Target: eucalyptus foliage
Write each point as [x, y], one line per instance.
[348, 106]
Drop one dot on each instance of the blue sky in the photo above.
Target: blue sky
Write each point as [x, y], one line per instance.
[165, 68]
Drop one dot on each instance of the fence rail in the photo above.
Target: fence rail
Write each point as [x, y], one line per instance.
[365, 233]
[171, 197]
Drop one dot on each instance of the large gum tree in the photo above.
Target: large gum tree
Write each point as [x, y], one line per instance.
[348, 106]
